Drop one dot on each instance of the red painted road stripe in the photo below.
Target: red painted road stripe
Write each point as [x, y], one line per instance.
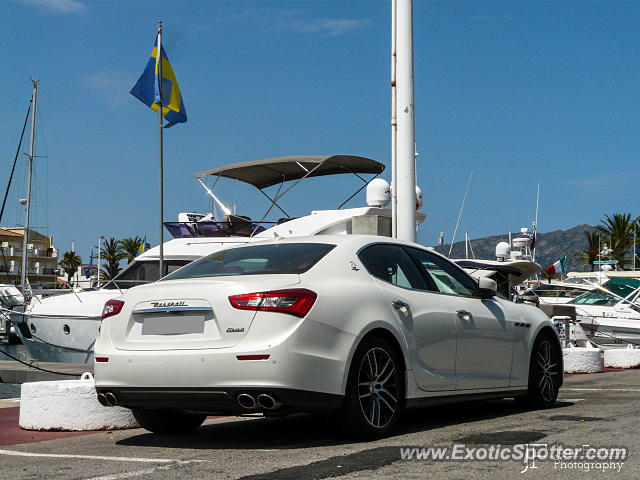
[12, 434]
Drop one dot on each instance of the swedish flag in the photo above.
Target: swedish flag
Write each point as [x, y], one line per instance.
[146, 89]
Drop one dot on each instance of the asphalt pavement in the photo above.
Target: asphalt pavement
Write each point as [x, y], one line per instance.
[597, 410]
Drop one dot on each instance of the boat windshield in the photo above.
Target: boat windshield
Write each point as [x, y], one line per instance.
[141, 272]
[556, 291]
[619, 287]
[235, 226]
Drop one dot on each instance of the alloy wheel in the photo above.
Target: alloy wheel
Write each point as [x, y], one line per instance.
[378, 387]
[546, 371]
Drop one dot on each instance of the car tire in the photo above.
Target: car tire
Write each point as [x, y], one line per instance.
[545, 375]
[375, 393]
[168, 421]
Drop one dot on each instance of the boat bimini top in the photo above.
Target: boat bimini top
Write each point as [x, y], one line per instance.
[266, 173]
[272, 171]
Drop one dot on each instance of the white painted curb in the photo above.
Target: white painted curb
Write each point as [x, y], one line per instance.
[622, 357]
[582, 360]
[69, 405]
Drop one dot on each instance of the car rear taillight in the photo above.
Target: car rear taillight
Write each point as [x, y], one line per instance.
[111, 308]
[294, 301]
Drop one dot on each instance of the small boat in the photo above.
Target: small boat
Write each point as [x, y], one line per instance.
[610, 314]
[554, 292]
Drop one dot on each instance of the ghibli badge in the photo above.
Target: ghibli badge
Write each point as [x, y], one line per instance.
[235, 330]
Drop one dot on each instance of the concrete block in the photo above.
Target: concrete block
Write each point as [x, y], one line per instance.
[582, 360]
[69, 405]
[622, 357]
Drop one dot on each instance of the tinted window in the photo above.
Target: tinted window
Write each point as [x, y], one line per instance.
[256, 260]
[446, 277]
[141, 272]
[391, 264]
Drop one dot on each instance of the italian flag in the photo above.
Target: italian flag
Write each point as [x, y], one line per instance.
[558, 267]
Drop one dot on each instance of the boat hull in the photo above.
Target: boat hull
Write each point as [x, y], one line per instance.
[611, 331]
[46, 340]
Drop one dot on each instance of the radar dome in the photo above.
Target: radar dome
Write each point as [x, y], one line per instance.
[378, 193]
[503, 251]
[520, 242]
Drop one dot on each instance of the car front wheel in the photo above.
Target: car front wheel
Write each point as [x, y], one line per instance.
[545, 375]
[375, 393]
[168, 421]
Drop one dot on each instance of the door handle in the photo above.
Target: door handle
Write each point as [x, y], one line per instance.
[464, 313]
[399, 305]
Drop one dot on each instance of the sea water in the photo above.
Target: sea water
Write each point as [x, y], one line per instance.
[10, 390]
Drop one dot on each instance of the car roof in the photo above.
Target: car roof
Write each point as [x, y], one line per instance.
[350, 241]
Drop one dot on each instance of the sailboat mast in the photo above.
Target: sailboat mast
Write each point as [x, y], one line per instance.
[394, 128]
[535, 226]
[405, 141]
[25, 240]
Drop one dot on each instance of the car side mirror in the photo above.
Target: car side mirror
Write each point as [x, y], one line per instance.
[487, 287]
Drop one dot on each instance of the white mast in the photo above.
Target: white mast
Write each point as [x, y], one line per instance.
[25, 240]
[100, 237]
[535, 225]
[405, 164]
[466, 245]
[394, 126]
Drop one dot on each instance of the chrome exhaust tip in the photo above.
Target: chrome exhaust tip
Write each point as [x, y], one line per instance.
[102, 400]
[246, 401]
[267, 402]
[111, 399]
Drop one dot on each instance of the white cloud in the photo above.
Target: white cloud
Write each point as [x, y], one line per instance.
[295, 21]
[615, 178]
[330, 27]
[491, 18]
[62, 6]
[111, 85]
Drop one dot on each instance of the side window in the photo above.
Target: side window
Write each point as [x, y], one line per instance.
[447, 278]
[391, 264]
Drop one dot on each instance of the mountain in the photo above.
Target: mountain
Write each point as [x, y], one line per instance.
[550, 246]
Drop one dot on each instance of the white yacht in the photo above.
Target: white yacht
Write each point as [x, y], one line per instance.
[513, 264]
[555, 292]
[63, 328]
[610, 314]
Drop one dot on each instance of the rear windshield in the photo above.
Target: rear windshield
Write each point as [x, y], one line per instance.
[256, 260]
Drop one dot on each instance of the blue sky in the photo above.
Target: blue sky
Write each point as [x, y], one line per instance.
[517, 92]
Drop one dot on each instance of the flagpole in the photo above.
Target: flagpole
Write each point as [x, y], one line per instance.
[159, 62]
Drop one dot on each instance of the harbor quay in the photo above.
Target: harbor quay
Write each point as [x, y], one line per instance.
[595, 416]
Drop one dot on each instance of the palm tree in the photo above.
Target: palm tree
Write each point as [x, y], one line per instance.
[69, 264]
[112, 253]
[131, 247]
[618, 228]
[590, 252]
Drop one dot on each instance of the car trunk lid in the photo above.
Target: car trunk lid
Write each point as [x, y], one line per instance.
[189, 314]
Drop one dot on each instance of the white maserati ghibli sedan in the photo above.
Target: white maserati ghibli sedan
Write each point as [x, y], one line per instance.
[361, 327]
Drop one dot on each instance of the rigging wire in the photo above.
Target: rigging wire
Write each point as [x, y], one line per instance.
[32, 365]
[460, 215]
[6, 193]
